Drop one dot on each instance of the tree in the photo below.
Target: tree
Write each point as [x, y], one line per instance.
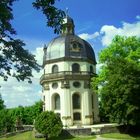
[49, 124]
[7, 123]
[53, 15]
[37, 108]
[2, 106]
[31, 112]
[119, 80]
[26, 114]
[15, 61]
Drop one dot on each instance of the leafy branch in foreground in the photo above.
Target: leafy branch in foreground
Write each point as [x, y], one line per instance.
[53, 15]
[15, 61]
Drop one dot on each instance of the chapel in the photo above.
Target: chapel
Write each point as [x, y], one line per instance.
[69, 63]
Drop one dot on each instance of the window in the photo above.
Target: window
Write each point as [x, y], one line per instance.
[57, 102]
[74, 45]
[54, 69]
[76, 101]
[54, 85]
[91, 69]
[76, 84]
[77, 116]
[75, 68]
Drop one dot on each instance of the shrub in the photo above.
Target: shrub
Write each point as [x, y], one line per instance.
[49, 124]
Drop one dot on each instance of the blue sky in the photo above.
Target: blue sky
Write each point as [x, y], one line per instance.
[96, 21]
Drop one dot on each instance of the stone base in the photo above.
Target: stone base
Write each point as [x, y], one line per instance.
[92, 129]
[77, 131]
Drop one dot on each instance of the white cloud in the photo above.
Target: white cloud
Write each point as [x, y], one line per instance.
[86, 36]
[138, 17]
[39, 55]
[17, 93]
[128, 29]
[21, 89]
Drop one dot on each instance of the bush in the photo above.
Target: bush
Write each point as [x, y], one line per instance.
[49, 124]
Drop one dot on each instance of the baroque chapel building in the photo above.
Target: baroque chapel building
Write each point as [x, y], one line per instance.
[69, 64]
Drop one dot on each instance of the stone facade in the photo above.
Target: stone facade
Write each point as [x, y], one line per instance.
[69, 64]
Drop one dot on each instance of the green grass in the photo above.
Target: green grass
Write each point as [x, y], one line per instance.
[23, 136]
[120, 136]
[30, 136]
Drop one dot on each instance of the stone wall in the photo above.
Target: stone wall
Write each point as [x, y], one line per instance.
[77, 131]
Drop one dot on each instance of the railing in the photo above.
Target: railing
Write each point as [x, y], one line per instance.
[66, 73]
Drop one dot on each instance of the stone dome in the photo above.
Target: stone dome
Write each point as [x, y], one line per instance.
[68, 46]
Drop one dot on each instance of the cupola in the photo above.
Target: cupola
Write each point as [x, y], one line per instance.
[67, 26]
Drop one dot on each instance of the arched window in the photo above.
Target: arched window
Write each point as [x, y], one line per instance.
[76, 101]
[76, 116]
[75, 68]
[54, 69]
[91, 69]
[56, 102]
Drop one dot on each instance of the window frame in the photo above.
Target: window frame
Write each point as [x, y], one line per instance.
[55, 69]
[76, 102]
[75, 68]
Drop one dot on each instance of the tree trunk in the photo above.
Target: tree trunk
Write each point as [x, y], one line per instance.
[46, 137]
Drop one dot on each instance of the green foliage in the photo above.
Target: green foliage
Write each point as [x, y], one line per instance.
[12, 54]
[37, 108]
[23, 115]
[49, 124]
[6, 122]
[15, 61]
[53, 15]
[26, 114]
[2, 106]
[119, 80]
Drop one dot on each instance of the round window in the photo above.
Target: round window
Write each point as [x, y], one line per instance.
[76, 84]
[54, 85]
[74, 46]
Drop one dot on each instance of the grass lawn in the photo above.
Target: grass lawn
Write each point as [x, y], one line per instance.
[120, 136]
[30, 136]
[23, 136]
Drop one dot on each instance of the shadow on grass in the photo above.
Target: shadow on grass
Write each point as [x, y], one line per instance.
[63, 136]
[132, 130]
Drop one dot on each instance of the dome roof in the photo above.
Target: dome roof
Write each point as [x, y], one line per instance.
[68, 46]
